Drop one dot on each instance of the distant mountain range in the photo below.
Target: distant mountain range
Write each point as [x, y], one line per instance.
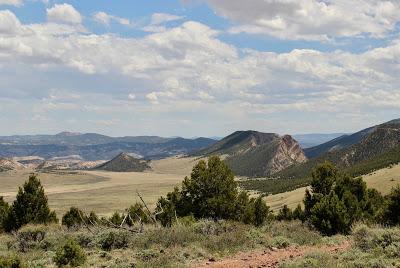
[252, 153]
[93, 147]
[311, 140]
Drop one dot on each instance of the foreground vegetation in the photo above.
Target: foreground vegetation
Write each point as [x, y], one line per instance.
[375, 246]
[177, 246]
[207, 218]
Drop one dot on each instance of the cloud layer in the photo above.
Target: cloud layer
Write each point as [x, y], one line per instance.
[184, 80]
[310, 19]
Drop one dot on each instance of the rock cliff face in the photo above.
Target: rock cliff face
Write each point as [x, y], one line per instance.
[257, 154]
[289, 152]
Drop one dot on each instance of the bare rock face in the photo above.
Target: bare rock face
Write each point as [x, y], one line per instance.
[257, 154]
[288, 153]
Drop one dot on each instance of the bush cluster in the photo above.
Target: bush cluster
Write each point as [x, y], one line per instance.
[211, 192]
[69, 254]
[336, 201]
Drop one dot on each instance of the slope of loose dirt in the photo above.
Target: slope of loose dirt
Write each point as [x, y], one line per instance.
[271, 257]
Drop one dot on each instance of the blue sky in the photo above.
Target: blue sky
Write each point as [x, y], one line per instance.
[198, 68]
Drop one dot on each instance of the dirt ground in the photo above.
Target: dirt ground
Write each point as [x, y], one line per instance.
[269, 258]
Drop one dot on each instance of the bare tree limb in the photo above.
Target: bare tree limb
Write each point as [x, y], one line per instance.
[148, 210]
[84, 222]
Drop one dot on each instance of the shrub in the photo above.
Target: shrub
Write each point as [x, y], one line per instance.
[391, 210]
[117, 218]
[69, 254]
[285, 214]
[11, 262]
[30, 206]
[29, 236]
[298, 213]
[280, 242]
[113, 239]
[137, 211]
[72, 218]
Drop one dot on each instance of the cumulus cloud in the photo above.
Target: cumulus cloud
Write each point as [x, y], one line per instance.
[187, 68]
[64, 13]
[310, 19]
[106, 19]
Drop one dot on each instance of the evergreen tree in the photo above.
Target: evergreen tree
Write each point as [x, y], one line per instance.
[4, 208]
[211, 190]
[329, 215]
[298, 213]
[73, 218]
[261, 211]
[323, 178]
[391, 211]
[30, 206]
[285, 214]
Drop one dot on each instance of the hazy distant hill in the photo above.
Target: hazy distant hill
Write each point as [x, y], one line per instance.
[94, 147]
[125, 163]
[252, 153]
[314, 139]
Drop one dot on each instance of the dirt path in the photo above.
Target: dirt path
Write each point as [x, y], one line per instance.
[270, 258]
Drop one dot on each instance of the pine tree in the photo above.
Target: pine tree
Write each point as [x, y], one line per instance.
[4, 210]
[391, 214]
[261, 211]
[30, 206]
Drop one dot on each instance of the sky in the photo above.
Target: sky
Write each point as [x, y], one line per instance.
[198, 67]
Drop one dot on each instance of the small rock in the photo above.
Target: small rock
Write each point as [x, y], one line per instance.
[212, 259]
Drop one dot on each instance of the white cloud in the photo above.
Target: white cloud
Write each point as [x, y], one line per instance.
[187, 68]
[105, 19]
[11, 2]
[310, 19]
[9, 23]
[158, 21]
[64, 13]
[160, 18]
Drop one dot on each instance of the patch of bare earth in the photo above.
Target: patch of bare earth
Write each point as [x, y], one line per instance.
[271, 257]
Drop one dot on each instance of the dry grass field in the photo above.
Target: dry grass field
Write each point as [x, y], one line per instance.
[102, 191]
[106, 192]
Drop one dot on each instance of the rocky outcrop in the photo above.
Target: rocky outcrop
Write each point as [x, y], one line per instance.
[257, 154]
[8, 165]
[289, 152]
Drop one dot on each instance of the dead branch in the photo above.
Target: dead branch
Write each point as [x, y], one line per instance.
[153, 217]
[84, 222]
